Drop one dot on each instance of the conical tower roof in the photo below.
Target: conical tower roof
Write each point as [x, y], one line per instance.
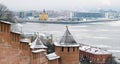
[67, 39]
[37, 43]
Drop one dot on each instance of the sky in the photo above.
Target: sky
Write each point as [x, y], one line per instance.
[82, 5]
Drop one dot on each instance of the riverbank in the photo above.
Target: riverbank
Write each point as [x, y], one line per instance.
[68, 22]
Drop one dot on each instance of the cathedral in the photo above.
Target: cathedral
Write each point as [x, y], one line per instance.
[43, 15]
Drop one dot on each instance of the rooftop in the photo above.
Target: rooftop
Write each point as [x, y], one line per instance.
[5, 22]
[26, 40]
[37, 43]
[37, 51]
[70, 45]
[117, 60]
[52, 56]
[93, 50]
[15, 32]
[67, 40]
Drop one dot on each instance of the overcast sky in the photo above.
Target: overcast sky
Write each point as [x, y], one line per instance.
[17, 5]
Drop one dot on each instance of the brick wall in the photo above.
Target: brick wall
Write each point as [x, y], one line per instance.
[25, 53]
[38, 58]
[56, 61]
[14, 52]
[68, 55]
[97, 58]
[8, 54]
[4, 32]
[15, 40]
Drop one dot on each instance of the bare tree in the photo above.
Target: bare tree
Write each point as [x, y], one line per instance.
[5, 14]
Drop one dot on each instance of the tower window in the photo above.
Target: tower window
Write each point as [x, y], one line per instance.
[62, 49]
[77, 49]
[73, 49]
[68, 49]
[0, 27]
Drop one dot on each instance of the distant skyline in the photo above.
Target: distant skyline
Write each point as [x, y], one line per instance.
[82, 5]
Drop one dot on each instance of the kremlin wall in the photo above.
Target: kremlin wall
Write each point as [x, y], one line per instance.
[17, 50]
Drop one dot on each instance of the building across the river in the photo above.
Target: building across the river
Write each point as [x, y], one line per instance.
[86, 15]
[16, 50]
[43, 15]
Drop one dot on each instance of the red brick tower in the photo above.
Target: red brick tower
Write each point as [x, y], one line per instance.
[67, 49]
[38, 51]
[5, 31]
[9, 44]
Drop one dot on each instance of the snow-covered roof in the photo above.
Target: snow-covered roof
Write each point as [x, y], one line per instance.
[30, 43]
[17, 28]
[25, 40]
[37, 43]
[117, 60]
[70, 45]
[67, 40]
[93, 50]
[52, 56]
[5, 22]
[17, 32]
[37, 51]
